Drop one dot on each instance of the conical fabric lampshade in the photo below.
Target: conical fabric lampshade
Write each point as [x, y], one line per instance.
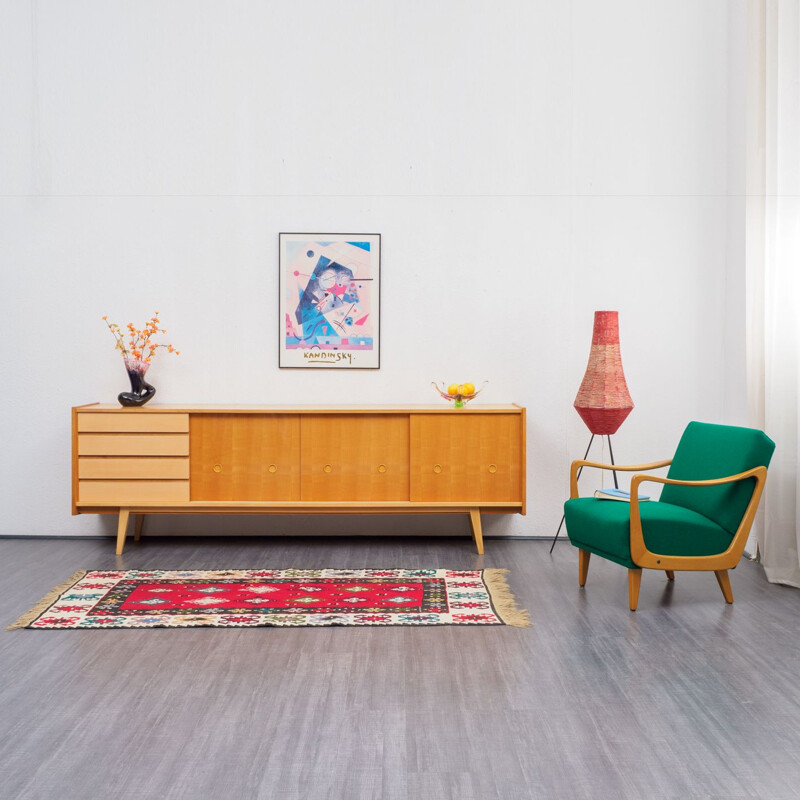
[603, 400]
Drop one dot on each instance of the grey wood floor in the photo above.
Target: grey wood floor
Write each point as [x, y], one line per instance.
[686, 698]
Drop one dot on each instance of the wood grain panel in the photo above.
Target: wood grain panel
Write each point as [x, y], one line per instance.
[355, 457]
[133, 444]
[132, 422]
[245, 457]
[122, 493]
[468, 459]
[116, 468]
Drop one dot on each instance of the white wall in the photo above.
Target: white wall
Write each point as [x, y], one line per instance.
[735, 403]
[526, 162]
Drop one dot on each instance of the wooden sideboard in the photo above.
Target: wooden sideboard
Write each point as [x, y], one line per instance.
[169, 459]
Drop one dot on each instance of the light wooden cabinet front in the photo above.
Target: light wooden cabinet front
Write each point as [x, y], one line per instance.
[464, 457]
[354, 457]
[133, 444]
[126, 458]
[298, 459]
[244, 457]
[136, 492]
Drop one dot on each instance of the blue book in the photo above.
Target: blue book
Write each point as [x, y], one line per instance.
[617, 494]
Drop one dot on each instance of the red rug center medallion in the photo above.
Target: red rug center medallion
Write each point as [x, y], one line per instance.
[330, 595]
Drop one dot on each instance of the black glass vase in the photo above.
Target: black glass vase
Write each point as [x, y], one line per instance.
[141, 391]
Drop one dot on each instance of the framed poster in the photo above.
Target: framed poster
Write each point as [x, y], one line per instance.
[330, 288]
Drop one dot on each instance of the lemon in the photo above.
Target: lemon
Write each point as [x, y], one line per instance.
[469, 388]
[452, 388]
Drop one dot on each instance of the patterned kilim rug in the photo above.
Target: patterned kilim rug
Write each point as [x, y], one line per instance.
[277, 597]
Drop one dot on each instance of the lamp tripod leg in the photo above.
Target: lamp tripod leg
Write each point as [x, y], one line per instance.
[555, 538]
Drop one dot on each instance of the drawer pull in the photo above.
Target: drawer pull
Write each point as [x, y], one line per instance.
[217, 467]
[492, 468]
[382, 468]
[327, 468]
[272, 468]
[437, 468]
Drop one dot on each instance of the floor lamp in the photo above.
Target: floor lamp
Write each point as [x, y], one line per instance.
[603, 400]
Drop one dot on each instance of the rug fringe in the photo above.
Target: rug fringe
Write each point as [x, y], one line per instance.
[503, 600]
[46, 601]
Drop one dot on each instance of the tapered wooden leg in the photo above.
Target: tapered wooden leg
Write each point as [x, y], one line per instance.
[670, 575]
[634, 582]
[477, 532]
[138, 526]
[122, 528]
[725, 584]
[583, 566]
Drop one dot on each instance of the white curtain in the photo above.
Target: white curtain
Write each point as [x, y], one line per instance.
[773, 270]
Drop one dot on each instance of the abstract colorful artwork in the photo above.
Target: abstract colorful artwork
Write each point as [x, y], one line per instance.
[330, 300]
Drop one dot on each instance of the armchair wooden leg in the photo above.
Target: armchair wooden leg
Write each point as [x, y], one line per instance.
[634, 582]
[725, 584]
[670, 575]
[583, 566]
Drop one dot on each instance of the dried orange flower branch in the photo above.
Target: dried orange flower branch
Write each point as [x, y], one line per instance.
[139, 345]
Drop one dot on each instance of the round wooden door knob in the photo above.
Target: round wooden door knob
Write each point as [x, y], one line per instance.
[382, 468]
[217, 467]
[492, 468]
[272, 468]
[327, 468]
[437, 468]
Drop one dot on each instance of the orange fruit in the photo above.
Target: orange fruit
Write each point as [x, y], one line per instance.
[452, 388]
[469, 388]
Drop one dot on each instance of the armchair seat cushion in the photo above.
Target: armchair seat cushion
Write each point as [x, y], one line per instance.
[603, 527]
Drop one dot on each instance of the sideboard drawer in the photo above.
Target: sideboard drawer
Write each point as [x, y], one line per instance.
[132, 422]
[455, 458]
[132, 468]
[133, 444]
[120, 493]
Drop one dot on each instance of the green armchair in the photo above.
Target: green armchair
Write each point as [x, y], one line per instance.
[701, 521]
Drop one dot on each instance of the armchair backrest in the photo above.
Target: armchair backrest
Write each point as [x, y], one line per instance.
[708, 451]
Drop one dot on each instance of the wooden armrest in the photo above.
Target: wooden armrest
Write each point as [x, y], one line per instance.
[580, 464]
[751, 473]
[645, 558]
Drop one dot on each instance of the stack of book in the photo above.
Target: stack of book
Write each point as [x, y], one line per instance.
[617, 494]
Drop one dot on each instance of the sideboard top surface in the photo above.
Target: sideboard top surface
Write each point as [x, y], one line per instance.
[503, 408]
